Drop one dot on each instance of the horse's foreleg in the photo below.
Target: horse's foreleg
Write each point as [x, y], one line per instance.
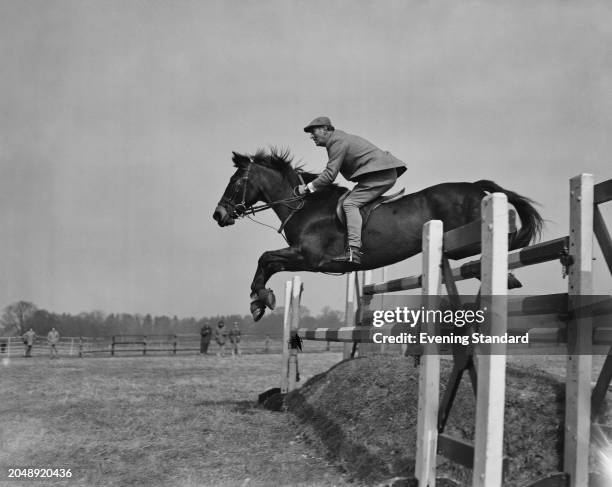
[270, 263]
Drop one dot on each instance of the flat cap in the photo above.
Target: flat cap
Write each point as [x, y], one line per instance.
[317, 122]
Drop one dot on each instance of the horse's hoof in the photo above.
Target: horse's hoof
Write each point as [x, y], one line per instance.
[257, 310]
[267, 297]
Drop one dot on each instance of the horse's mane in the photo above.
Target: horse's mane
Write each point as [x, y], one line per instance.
[281, 160]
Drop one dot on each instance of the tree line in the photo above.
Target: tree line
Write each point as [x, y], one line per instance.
[19, 317]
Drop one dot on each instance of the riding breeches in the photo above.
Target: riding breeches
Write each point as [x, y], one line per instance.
[369, 187]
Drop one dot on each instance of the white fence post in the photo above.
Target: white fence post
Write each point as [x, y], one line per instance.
[296, 294]
[286, 335]
[429, 373]
[580, 333]
[349, 311]
[491, 367]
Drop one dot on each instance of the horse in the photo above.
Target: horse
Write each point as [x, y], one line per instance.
[315, 235]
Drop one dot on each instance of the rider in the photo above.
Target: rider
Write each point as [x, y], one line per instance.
[374, 170]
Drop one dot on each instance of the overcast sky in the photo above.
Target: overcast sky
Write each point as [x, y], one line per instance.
[118, 119]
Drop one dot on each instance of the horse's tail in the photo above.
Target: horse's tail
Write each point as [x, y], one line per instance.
[531, 221]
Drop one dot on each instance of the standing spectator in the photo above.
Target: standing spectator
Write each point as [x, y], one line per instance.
[205, 336]
[53, 339]
[28, 340]
[221, 337]
[234, 336]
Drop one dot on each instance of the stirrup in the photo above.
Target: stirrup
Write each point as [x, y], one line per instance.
[352, 256]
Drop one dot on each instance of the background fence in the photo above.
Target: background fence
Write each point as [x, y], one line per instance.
[124, 345]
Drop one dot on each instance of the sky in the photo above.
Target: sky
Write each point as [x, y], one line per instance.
[118, 120]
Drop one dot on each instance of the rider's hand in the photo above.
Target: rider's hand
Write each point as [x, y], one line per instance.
[302, 189]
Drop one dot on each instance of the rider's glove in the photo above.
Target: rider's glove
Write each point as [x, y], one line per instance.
[302, 189]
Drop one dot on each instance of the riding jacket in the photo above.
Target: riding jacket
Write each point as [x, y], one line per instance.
[353, 156]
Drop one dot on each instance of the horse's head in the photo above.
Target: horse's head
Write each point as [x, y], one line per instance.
[257, 178]
[241, 192]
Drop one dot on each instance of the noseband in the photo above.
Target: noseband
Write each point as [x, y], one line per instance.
[240, 210]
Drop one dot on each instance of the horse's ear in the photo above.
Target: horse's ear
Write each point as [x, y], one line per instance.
[239, 159]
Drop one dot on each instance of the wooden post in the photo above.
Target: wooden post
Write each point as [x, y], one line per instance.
[80, 347]
[286, 335]
[144, 345]
[174, 345]
[429, 374]
[296, 294]
[113, 346]
[383, 346]
[365, 348]
[491, 367]
[349, 311]
[580, 332]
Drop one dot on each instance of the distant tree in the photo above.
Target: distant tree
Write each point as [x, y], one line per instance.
[330, 318]
[15, 317]
[161, 325]
[111, 325]
[304, 311]
[42, 321]
[91, 323]
[147, 324]
[128, 324]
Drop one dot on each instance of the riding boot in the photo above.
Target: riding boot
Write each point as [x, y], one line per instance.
[352, 256]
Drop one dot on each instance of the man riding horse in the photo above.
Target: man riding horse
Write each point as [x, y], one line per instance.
[315, 236]
[358, 160]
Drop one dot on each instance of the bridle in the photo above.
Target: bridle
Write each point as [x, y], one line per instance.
[240, 210]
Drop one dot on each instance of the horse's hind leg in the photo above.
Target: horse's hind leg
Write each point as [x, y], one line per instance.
[270, 263]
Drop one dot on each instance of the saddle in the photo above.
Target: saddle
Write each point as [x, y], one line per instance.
[366, 210]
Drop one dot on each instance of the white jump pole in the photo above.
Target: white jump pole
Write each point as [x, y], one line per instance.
[286, 335]
[349, 311]
[365, 348]
[429, 373]
[580, 333]
[491, 367]
[296, 293]
[383, 275]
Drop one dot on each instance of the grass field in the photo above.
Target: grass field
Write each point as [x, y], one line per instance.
[175, 421]
[192, 420]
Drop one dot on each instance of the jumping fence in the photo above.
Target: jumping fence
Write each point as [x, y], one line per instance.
[569, 319]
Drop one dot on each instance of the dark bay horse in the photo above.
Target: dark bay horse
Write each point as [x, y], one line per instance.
[315, 236]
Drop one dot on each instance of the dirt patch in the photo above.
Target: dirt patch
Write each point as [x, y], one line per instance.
[365, 412]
